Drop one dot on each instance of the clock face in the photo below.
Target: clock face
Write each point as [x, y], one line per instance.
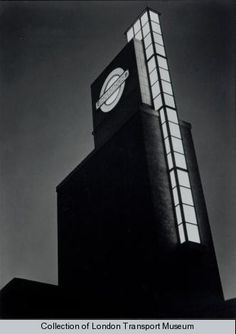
[112, 89]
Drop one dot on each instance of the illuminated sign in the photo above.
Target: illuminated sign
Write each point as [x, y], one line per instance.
[112, 89]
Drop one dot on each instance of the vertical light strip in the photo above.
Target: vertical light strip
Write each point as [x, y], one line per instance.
[147, 28]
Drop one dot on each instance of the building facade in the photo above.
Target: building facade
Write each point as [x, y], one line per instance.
[133, 229]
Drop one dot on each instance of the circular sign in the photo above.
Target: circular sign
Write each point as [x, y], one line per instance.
[112, 89]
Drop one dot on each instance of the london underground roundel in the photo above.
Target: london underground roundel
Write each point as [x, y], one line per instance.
[112, 89]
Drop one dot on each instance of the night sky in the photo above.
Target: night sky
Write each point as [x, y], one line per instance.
[50, 54]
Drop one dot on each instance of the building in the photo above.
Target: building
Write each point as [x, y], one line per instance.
[134, 238]
[133, 213]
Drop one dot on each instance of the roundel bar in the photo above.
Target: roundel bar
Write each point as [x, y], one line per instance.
[112, 89]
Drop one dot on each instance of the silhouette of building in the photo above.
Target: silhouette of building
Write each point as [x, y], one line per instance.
[134, 238]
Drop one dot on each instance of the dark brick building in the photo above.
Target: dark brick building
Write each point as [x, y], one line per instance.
[118, 240]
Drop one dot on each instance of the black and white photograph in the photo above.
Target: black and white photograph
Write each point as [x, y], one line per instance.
[117, 160]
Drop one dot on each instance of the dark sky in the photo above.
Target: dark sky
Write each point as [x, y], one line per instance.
[50, 54]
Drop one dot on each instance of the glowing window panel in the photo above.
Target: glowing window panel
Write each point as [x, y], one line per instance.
[162, 115]
[162, 62]
[193, 233]
[176, 196]
[144, 19]
[167, 145]
[158, 38]
[178, 215]
[130, 34]
[151, 65]
[158, 102]
[189, 214]
[139, 36]
[156, 27]
[147, 40]
[155, 89]
[174, 130]
[149, 51]
[137, 26]
[183, 178]
[153, 77]
[180, 160]
[154, 16]
[164, 129]
[164, 75]
[177, 145]
[172, 179]
[170, 161]
[181, 233]
[160, 49]
[186, 195]
[172, 115]
[169, 100]
[166, 87]
[146, 29]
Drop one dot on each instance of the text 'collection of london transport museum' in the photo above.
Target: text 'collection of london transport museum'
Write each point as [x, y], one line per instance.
[133, 233]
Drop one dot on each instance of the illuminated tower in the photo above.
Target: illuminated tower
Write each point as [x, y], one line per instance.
[132, 221]
[147, 28]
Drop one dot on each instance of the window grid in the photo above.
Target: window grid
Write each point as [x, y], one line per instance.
[160, 50]
[181, 233]
[147, 28]
[155, 27]
[144, 19]
[167, 145]
[147, 40]
[162, 62]
[155, 89]
[158, 38]
[138, 35]
[149, 51]
[153, 77]
[162, 115]
[137, 26]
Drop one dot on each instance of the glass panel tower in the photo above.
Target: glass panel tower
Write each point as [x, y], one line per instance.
[148, 29]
